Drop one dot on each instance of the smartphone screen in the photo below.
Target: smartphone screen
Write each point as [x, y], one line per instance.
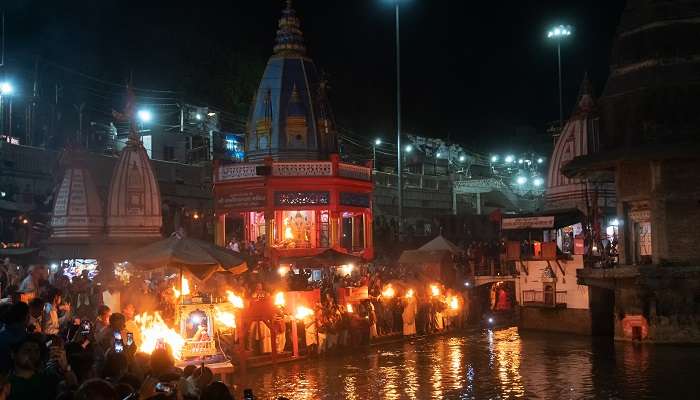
[163, 387]
[117, 336]
[118, 345]
[129, 339]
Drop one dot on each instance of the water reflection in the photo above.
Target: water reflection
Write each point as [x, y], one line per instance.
[487, 364]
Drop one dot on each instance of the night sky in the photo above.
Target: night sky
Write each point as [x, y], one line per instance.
[480, 73]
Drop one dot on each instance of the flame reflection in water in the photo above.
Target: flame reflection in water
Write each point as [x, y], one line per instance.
[483, 365]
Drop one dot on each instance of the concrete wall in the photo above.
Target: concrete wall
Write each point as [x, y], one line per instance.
[565, 320]
[576, 295]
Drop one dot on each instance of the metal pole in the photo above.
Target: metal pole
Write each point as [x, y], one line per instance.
[398, 118]
[561, 107]
[374, 158]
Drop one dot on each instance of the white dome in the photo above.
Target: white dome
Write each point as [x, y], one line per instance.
[134, 206]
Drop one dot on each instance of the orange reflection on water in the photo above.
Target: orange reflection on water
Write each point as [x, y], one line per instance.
[505, 347]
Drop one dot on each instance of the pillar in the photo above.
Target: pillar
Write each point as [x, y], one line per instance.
[220, 230]
[478, 203]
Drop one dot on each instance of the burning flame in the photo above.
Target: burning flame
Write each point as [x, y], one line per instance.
[279, 299]
[409, 294]
[388, 292]
[226, 319]
[283, 270]
[303, 312]
[347, 269]
[454, 303]
[153, 329]
[185, 288]
[434, 290]
[237, 301]
[349, 307]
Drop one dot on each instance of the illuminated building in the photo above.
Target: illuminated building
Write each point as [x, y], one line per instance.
[293, 193]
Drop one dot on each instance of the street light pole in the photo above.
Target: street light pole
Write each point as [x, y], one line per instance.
[398, 118]
[558, 33]
[561, 106]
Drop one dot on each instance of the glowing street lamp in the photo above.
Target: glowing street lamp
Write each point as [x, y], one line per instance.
[540, 160]
[462, 158]
[144, 116]
[538, 181]
[521, 180]
[6, 88]
[377, 142]
[494, 158]
[509, 159]
[409, 148]
[559, 33]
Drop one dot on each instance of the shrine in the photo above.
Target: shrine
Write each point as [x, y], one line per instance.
[293, 195]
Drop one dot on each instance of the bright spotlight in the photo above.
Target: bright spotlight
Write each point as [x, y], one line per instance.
[615, 222]
[377, 142]
[462, 158]
[521, 180]
[467, 284]
[538, 181]
[198, 116]
[54, 266]
[409, 148]
[540, 160]
[494, 158]
[509, 159]
[520, 161]
[438, 155]
[490, 320]
[145, 115]
[6, 88]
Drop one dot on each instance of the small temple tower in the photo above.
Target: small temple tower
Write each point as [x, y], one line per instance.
[133, 205]
[290, 117]
[579, 137]
[77, 211]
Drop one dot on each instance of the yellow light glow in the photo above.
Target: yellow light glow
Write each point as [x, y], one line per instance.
[283, 270]
[153, 329]
[237, 301]
[409, 294]
[388, 292]
[454, 303]
[349, 307]
[279, 299]
[226, 319]
[347, 269]
[185, 288]
[434, 290]
[303, 312]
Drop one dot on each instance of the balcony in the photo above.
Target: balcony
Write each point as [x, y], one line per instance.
[539, 298]
[232, 172]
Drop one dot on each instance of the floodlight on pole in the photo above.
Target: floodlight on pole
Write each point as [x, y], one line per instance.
[145, 115]
[409, 148]
[494, 158]
[559, 33]
[509, 159]
[377, 142]
[462, 158]
[6, 89]
[521, 180]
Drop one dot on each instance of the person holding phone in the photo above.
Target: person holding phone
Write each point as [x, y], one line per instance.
[51, 321]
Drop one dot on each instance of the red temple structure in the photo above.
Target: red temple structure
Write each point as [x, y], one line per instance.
[293, 193]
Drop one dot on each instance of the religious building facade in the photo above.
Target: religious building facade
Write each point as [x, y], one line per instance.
[293, 195]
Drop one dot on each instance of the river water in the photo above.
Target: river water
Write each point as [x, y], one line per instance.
[499, 364]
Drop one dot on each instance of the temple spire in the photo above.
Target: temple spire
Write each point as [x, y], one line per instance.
[290, 39]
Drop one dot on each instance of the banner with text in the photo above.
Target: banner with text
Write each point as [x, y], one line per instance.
[527, 223]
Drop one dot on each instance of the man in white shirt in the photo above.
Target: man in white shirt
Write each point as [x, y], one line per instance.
[51, 322]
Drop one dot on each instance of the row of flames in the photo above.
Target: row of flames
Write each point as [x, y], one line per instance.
[435, 291]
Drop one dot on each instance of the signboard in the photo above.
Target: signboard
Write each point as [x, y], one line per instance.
[528, 223]
[301, 198]
[241, 200]
[354, 199]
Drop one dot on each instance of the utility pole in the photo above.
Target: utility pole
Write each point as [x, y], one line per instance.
[79, 108]
[398, 120]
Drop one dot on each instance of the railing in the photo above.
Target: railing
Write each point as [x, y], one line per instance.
[544, 299]
[232, 172]
[409, 180]
[237, 171]
[303, 168]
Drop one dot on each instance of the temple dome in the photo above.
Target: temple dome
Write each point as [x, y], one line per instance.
[77, 210]
[579, 137]
[134, 205]
[290, 118]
